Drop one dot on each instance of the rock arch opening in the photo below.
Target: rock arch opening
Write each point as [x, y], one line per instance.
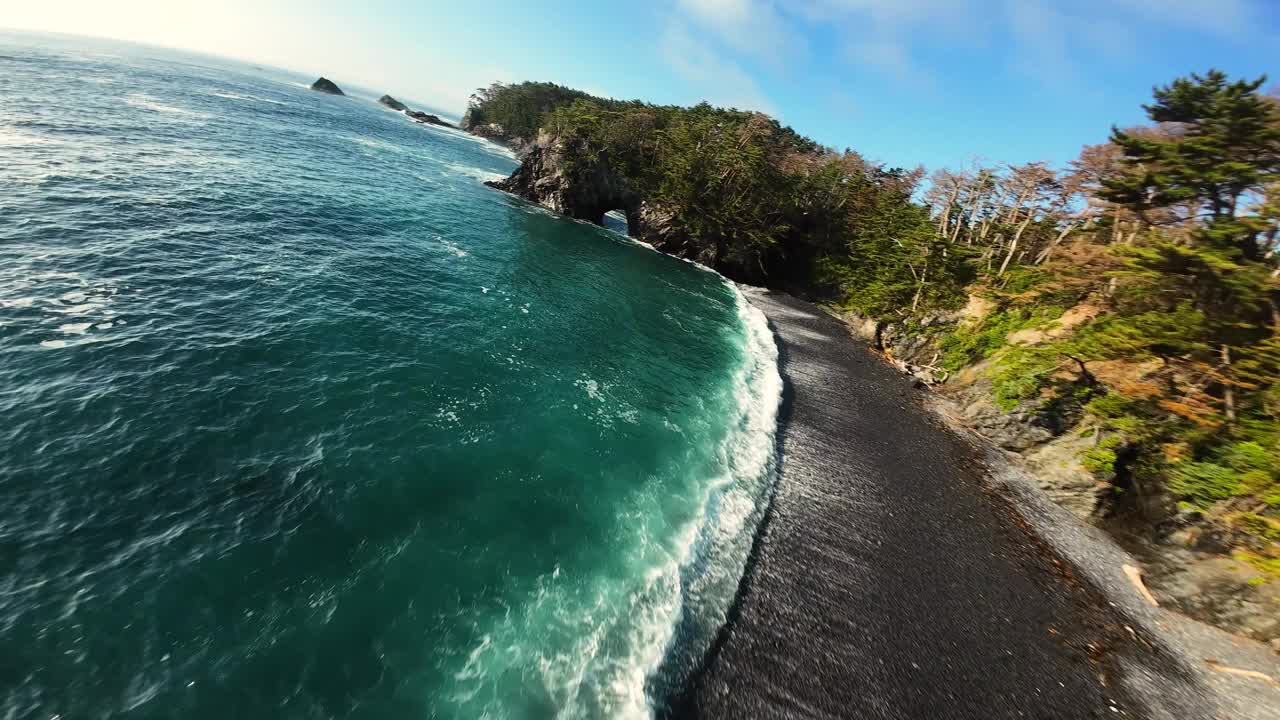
[616, 220]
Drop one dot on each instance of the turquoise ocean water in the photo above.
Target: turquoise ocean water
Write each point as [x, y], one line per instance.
[300, 420]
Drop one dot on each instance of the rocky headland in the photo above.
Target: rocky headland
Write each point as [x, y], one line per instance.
[1043, 346]
[561, 173]
[327, 86]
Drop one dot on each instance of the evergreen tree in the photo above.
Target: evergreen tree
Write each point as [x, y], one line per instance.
[1222, 152]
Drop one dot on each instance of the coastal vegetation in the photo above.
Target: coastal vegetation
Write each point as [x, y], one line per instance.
[1133, 295]
[1166, 235]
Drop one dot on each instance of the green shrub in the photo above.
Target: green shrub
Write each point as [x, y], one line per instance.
[1101, 458]
[1203, 483]
[967, 345]
[1020, 375]
[1263, 527]
[1099, 461]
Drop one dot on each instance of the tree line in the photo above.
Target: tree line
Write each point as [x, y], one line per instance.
[1162, 241]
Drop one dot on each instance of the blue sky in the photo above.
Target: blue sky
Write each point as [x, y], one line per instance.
[938, 82]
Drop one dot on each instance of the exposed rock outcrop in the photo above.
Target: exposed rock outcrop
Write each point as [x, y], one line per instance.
[496, 133]
[554, 176]
[325, 85]
[416, 115]
[427, 118]
[393, 103]
[559, 174]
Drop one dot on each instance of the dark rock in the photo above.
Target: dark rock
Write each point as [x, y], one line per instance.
[565, 175]
[585, 189]
[392, 103]
[1216, 589]
[427, 118]
[560, 175]
[325, 85]
[496, 133]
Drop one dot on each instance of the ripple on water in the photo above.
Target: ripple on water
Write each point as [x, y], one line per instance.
[303, 420]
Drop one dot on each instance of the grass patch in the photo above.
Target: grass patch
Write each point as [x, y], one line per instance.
[967, 345]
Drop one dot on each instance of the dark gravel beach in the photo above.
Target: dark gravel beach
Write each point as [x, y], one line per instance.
[888, 581]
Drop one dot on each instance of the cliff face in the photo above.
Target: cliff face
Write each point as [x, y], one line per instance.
[559, 175]
[495, 133]
[555, 176]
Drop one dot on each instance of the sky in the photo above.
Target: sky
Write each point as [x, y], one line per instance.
[944, 83]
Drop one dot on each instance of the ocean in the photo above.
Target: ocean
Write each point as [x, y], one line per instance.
[301, 420]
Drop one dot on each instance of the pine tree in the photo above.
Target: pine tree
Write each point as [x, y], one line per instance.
[1220, 154]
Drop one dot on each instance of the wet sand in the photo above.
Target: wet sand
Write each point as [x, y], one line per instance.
[890, 581]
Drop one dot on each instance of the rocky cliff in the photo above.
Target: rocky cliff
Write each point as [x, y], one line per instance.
[562, 175]
[495, 132]
[556, 176]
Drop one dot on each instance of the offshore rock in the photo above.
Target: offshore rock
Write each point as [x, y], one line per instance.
[427, 118]
[392, 103]
[325, 85]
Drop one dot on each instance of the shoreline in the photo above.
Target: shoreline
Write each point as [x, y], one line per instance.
[1140, 661]
[881, 582]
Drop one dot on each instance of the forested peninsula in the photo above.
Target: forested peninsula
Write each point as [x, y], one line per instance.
[1115, 321]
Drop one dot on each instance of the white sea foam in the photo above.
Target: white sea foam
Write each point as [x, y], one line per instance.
[454, 250]
[592, 388]
[727, 503]
[12, 138]
[150, 103]
[249, 98]
[488, 146]
[375, 144]
[472, 171]
[591, 677]
[75, 328]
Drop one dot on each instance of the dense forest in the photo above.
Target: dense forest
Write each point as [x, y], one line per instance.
[1145, 272]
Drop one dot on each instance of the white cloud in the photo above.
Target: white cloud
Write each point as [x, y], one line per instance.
[709, 74]
[755, 28]
[1223, 17]
[881, 34]
[1040, 39]
[889, 55]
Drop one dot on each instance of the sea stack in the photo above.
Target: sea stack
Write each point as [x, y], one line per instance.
[325, 85]
[392, 103]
